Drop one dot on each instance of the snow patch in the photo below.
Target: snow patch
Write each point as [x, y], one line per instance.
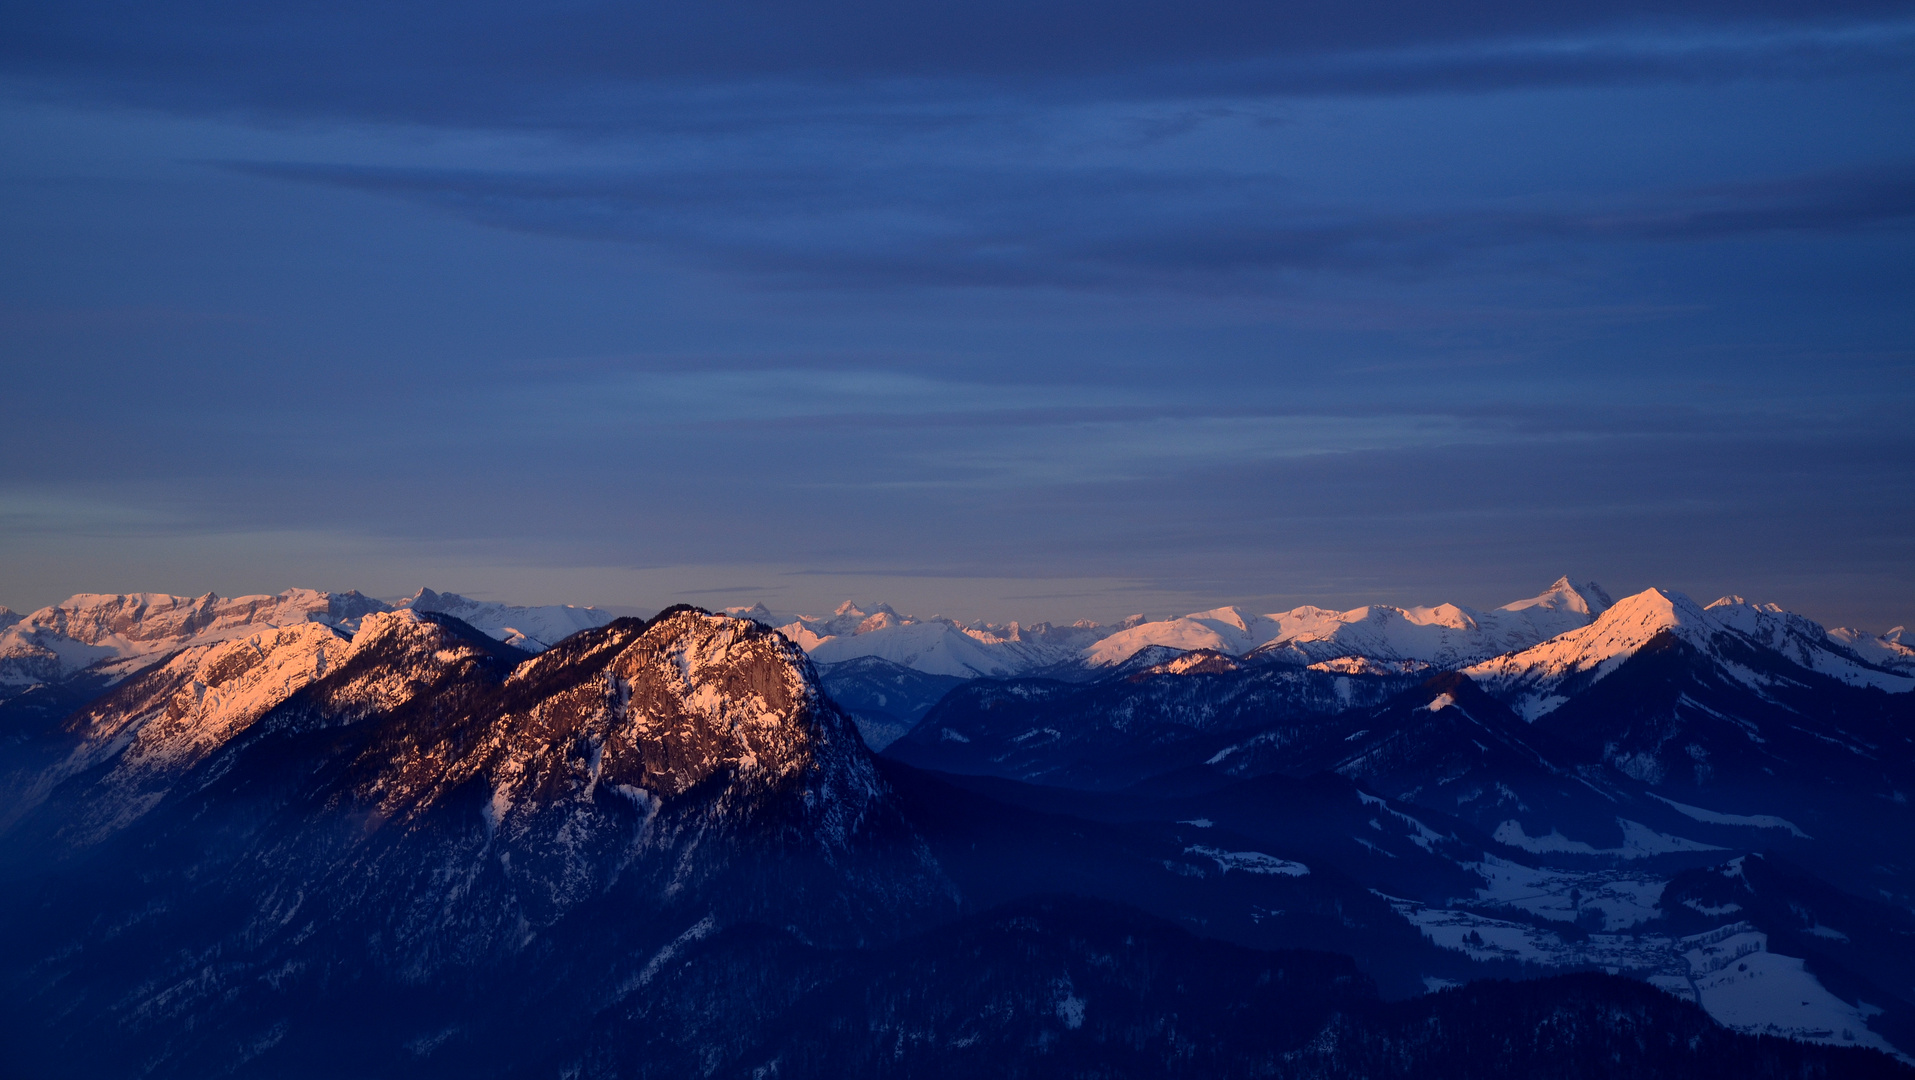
[697, 932]
[1070, 1007]
[1638, 841]
[1250, 862]
[1746, 987]
[1712, 817]
[1621, 899]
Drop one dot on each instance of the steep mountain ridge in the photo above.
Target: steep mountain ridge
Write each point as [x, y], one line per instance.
[1541, 678]
[169, 717]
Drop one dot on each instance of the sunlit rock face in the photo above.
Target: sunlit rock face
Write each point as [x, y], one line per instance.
[155, 727]
[683, 753]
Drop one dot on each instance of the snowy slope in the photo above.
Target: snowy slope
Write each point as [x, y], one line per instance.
[1748, 988]
[114, 635]
[1887, 651]
[173, 715]
[1381, 638]
[1801, 640]
[1539, 679]
[1226, 629]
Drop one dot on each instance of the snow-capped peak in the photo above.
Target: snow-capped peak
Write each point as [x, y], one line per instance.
[533, 629]
[756, 613]
[1805, 642]
[937, 645]
[1538, 679]
[1587, 599]
[1532, 679]
[1231, 616]
[1445, 635]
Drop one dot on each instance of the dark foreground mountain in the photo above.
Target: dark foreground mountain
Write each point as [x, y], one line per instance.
[1062, 988]
[1186, 710]
[659, 849]
[885, 699]
[437, 829]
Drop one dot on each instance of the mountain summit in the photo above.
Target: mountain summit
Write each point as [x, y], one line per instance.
[1542, 677]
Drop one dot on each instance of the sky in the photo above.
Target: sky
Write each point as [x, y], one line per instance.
[1036, 310]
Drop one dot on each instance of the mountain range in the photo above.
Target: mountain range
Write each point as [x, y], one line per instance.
[320, 834]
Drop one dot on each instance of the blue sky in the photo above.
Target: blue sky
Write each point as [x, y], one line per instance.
[1040, 310]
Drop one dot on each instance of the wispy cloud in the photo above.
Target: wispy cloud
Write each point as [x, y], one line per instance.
[1086, 228]
[601, 65]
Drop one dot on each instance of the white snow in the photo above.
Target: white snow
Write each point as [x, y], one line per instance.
[1389, 638]
[697, 932]
[1638, 841]
[1250, 862]
[1070, 1007]
[1728, 971]
[1484, 938]
[1625, 899]
[1746, 987]
[937, 645]
[1377, 639]
[1531, 679]
[86, 629]
[1888, 650]
[1524, 651]
[1364, 665]
[205, 695]
[1802, 641]
[118, 634]
[1712, 817]
[1423, 836]
[533, 629]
